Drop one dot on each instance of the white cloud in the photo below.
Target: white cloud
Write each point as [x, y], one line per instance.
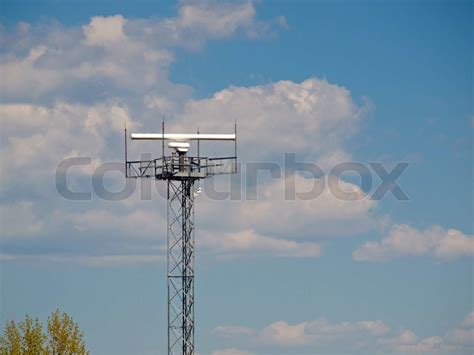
[464, 334]
[115, 70]
[247, 242]
[87, 130]
[273, 225]
[408, 343]
[319, 331]
[455, 244]
[369, 336]
[214, 19]
[121, 234]
[200, 21]
[317, 217]
[312, 119]
[37, 138]
[22, 119]
[405, 240]
[112, 55]
[283, 333]
[456, 341]
[104, 30]
[332, 158]
[297, 214]
[311, 336]
[24, 77]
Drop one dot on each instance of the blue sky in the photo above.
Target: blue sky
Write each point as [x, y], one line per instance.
[365, 81]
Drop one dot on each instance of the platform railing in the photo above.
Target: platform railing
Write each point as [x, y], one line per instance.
[181, 166]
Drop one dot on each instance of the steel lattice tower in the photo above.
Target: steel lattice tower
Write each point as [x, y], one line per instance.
[181, 172]
[180, 267]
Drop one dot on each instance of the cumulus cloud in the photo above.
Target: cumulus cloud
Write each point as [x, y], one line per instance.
[303, 334]
[319, 331]
[35, 139]
[70, 90]
[313, 118]
[404, 240]
[459, 340]
[112, 54]
[464, 334]
[104, 30]
[92, 237]
[321, 215]
[198, 20]
[408, 343]
[305, 337]
[368, 336]
[272, 224]
[38, 137]
[248, 242]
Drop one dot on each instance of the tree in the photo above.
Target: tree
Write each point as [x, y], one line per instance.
[33, 338]
[63, 337]
[10, 342]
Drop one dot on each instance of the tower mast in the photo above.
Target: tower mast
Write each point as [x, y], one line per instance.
[181, 172]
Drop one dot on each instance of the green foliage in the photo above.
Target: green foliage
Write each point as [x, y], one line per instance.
[63, 337]
[33, 339]
[10, 342]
